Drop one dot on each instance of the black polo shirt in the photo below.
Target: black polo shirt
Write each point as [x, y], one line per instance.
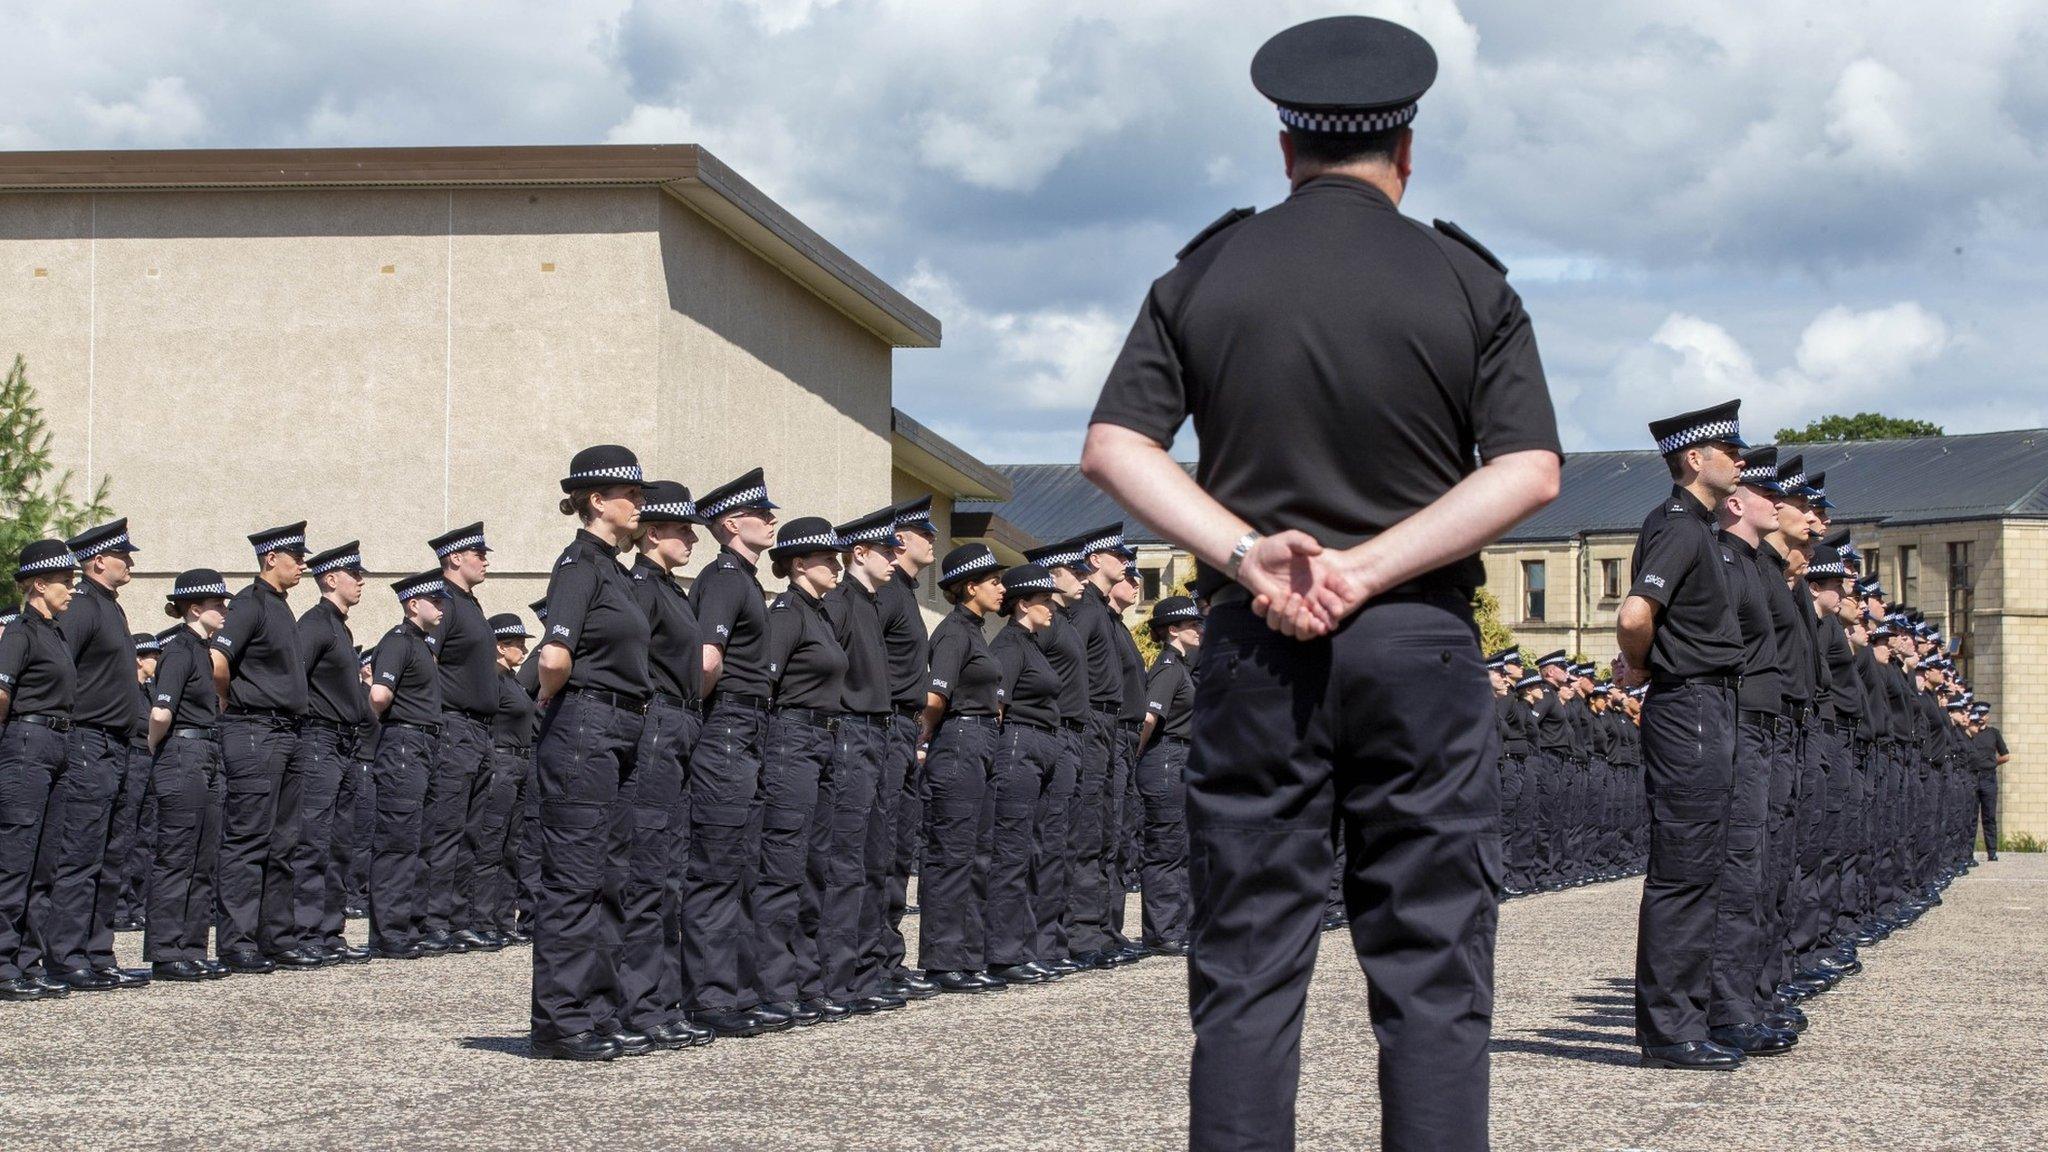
[1790, 622]
[1898, 708]
[592, 615]
[334, 683]
[405, 665]
[905, 636]
[1877, 718]
[1554, 730]
[1170, 693]
[1131, 663]
[1068, 654]
[103, 650]
[1678, 566]
[1845, 696]
[856, 616]
[964, 671]
[805, 662]
[1031, 689]
[1762, 687]
[1816, 660]
[36, 670]
[1986, 747]
[1516, 724]
[732, 615]
[513, 724]
[675, 653]
[1098, 625]
[261, 643]
[184, 681]
[467, 651]
[1333, 311]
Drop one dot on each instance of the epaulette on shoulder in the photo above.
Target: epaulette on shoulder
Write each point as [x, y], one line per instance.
[1223, 224]
[1465, 238]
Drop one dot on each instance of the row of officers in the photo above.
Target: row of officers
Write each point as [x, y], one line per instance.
[701, 808]
[1814, 768]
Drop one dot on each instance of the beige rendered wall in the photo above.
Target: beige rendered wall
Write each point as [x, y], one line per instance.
[2011, 632]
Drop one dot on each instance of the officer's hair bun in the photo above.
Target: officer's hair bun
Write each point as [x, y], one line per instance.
[174, 611]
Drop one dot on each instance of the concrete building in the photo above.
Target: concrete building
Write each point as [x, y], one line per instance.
[390, 342]
[1955, 525]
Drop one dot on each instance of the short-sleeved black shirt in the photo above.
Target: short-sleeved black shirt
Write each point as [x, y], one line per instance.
[1030, 687]
[261, 643]
[1795, 635]
[36, 670]
[334, 683]
[184, 682]
[1678, 565]
[1762, 689]
[1132, 664]
[1068, 653]
[512, 725]
[675, 654]
[964, 671]
[405, 665]
[96, 629]
[805, 662]
[467, 651]
[905, 636]
[856, 616]
[1876, 720]
[1898, 705]
[1098, 626]
[591, 613]
[1517, 725]
[1170, 692]
[1553, 716]
[1324, 323]
[1845, 696]
[732, 614]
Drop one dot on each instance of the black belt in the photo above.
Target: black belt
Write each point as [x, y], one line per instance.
[333, 725]
[473, 717]
[1073, 725]
[261, 714]
[911, 710]
[870, 719]
[815, 717]
[742, 700]
[515, 749]
[1731, 683]
[1753, 716]
[1111, 712]
[1131, 725]
[1034, 725]
[634, 704]
[107, 730]
[1180, 740]
[1800, 713]
[677, 702]
[987, 721]
[45, 720]
[191, 733]
[429, 729]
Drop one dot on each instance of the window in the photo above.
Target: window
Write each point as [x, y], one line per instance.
[1532, 589]
[1873, 563]
[1909, 573]
[1961, 597]
[1148, 583]
[1610, 579]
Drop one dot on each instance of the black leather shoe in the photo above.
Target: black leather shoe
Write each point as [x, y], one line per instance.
[1332, 923]
[1045, 971]
[955, 981]
[581, 1046]
[441, 943]
[353, 912]
[1016, 974]
[734, 1023]
[247, 964]
[475, 942]
[829, 1011]
[1827, 977]
[87, 980]
[348, 954]
[914, 988]
[772, 1018]
[1841, 966]
[679, 1034]
[23, 989]
[879, 1002]
[1991, 854]
[179, 971]
[127, 977]
[1692, 1056]
[215, 970]
[1170, 948]
[295, 958]
[518, 936]
[1091, 961]
[408, 952]
[630, 1043]
[1787, 1019]
[1063, 966]
[1132, 953]
[800, 1014]
[989, 983]
[1754, 1039]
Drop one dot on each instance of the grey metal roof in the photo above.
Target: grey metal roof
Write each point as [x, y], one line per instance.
[1924, 480]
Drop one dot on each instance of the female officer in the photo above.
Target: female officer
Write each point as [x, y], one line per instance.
[1162, 775]
[593, 702]
[807, 672]
[958, 731]
[185, 782]
[37, 684]
[1027, 756]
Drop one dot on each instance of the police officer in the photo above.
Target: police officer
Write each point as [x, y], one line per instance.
[356, 877]
[726, 766]
[319, 811]
[892, 849]
[1556, 747]
[1987, 745]
[1369, 556]
[1067, 652]
[958, 735]
[1095, 888]
[38, 686]
[136, 815]
[594, 688]
[79, 890]
[1162, 774]
[405, 698]
[650, 955]
[513, 728]
[459, 783]
[186, 783]
[260, 673]
[1027, 754]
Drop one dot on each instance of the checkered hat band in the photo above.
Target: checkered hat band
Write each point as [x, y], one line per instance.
[742, 499]
[1764, 475]
[685, 510]
[827, 540]
[628, 472]
[1196, 614]
[51, 563]
[281, 544]
[423, 588]
[968, 568]
[1699, 434]
[1560, 662]
[462, 545]
[510, 630]
[352, 560]
[1102, 544]
[92, 550]
[191, 591]
[870, 535]
[920, 521]
[1831, 568]
[9, 618]
[1361, 122]
[1034, 585]
[1796, 480]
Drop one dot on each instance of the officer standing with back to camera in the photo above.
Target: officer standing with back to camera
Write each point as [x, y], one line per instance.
[1345, 659]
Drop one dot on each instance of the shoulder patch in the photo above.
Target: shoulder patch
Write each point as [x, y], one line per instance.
[1465, 238]
[566, 560]
[1223, 223]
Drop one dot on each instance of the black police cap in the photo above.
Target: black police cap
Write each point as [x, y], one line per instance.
[284, 538]
[666, 502]
[748, 491]
[340, 558]
[805, 535]
[109, 537]
[1355, 74]
[1718, 424]
[468, 538]
[877, 528]
[1760, 470]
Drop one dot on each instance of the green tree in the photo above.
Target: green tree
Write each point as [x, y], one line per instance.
[1493, 635]
[33, 504]
[1861, 426]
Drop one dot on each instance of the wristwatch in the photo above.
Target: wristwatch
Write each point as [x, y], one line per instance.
[1245, 544]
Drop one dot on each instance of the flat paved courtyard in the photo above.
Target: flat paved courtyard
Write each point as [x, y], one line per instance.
[1941, 1044]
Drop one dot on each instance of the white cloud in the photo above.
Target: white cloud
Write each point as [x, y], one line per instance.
[1867, 115]
[163, 113]
[1052, 359]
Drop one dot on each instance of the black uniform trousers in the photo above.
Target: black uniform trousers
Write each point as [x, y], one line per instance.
[1052, 869]
[1514, 814]
[356, 878]
[950, 886]
[887, 887]
[1131, 838]
[794, 753]
[1390, 721]
[585, 769]
[1832, 744]
[301, 838]
[1738, 898]
[72, 848]
[405, 758]
[254, 752]
[909, 833]
[1802, 918]
[725, 772]
[1985, 805]
[461, 751]
[1121, 808]
[187, 786]
[1088, 929]
[482, 885]
[829, 919]
[650, 891]
[1025, 757]
[136, 863]
[1689, 752]
[1853, 861]
[32, 756]
[355, 797]
[112, 898]
[1553, 779]
[1162, 783]
[1780, 859]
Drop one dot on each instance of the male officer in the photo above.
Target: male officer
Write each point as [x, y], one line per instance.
[1286, 336]
[1094, 887]
[1987, 744]
[405, 696]
[1060, 846]
[260, 674]
[1678, 629]
[459, 786]
[908, 642]
[1556, 747]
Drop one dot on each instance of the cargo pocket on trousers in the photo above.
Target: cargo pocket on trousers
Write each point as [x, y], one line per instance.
[651, 842]
[572, 836]
[1685, 839]
[717, 832]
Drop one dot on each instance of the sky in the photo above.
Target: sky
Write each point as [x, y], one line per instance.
[1819, 207]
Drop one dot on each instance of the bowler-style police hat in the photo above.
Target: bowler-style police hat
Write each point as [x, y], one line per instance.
[197, 584]
[508, 626]
[666, 502]
[804, 535]
[601, 466]
[1175, 610]
[44, 558]
[967, 562]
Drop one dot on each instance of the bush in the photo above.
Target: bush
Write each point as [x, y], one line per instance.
[2021, 842]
